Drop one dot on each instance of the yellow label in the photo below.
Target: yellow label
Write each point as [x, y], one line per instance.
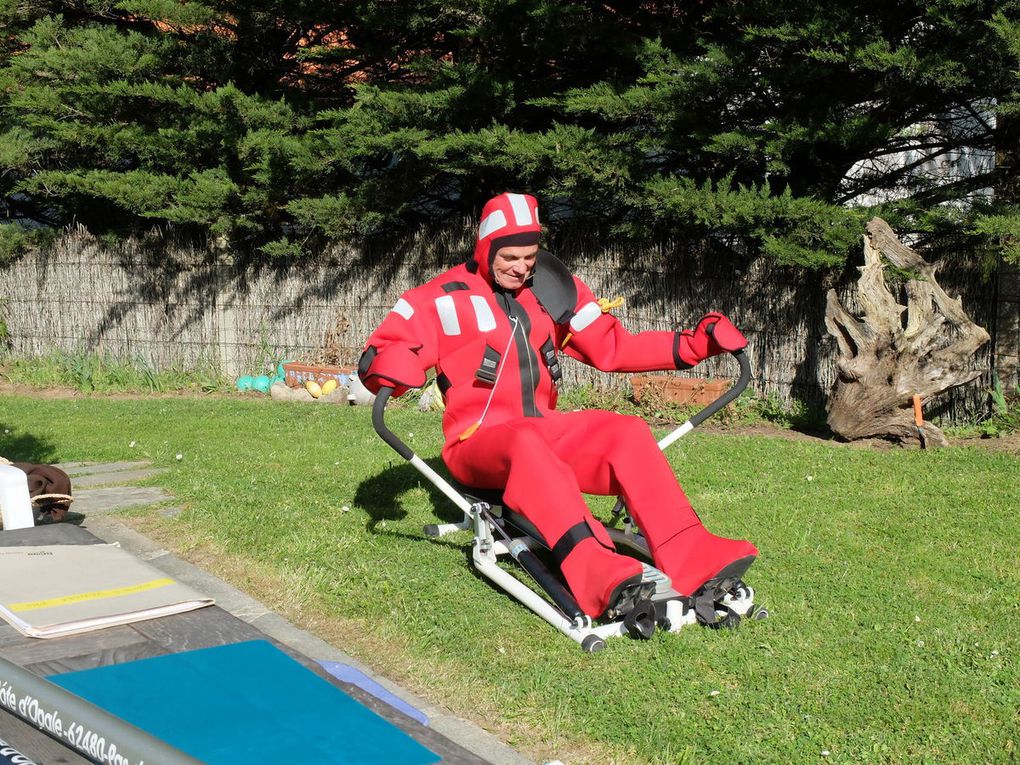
[96, 595]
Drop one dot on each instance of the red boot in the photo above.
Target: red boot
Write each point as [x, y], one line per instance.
[696, 556]
[602, 581]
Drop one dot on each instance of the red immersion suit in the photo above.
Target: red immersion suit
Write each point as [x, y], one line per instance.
[496, 355]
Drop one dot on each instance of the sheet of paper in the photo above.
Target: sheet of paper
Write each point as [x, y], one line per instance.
[55, 590]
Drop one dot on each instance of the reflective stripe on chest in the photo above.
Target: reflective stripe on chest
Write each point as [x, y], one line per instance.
[480, 313]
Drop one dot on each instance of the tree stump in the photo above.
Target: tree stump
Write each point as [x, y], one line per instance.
[883, 361]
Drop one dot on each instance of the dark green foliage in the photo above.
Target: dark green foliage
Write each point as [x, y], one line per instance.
[16, 238]
[278, 125]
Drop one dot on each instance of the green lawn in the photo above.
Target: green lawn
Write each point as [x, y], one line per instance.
[891, 575]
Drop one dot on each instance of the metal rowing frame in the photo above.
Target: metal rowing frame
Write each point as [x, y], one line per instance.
[563, 613]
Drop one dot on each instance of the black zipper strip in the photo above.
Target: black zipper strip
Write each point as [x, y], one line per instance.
[526, 359]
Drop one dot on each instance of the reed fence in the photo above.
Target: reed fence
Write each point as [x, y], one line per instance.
[166, 302]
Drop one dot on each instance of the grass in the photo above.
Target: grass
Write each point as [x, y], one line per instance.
[891, 576]
[104, 373]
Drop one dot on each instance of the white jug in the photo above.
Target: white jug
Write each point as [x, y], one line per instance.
[15, 504]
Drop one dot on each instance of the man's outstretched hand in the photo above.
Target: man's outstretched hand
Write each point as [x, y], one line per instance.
[714, 335]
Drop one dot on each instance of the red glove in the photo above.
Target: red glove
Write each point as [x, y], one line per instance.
[694, 346]
[396, 366]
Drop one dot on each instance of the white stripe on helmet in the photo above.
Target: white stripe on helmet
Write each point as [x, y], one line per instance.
[483, 314]
[494, 221]
[585, 316]
[448, 315]
[403, 308]
[522, 213]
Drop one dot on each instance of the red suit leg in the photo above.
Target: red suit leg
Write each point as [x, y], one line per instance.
[544, 464]
[615, 454]
[519, 457]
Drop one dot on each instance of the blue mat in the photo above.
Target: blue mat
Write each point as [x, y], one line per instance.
[245, 703]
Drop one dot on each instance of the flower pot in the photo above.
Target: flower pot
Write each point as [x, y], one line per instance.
[683, 391]
[295, 375]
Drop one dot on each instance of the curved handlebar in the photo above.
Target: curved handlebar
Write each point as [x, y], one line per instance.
[379, 424]
[405, 451]
[731, 394]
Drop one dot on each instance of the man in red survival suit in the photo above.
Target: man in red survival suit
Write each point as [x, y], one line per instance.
[493, 328]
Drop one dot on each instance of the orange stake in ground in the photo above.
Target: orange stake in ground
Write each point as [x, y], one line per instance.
[919, 420]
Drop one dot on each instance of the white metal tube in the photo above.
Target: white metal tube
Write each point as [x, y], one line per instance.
[683, 430]
[611, 630]
[500, 547]
[441, 483]
[536, 603]
[542, 608]
[448, 528]
[528, 597]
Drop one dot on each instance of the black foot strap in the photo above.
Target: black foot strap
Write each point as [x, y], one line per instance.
[706, 606]
[640, 622]
[571, 538]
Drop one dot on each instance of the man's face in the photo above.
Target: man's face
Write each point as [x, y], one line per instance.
[512, 265]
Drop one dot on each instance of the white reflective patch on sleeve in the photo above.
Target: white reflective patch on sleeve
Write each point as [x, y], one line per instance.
[483, 314]
[448, 314]
[403, 308]
[494, 221]
[519, 204]
[585, 316]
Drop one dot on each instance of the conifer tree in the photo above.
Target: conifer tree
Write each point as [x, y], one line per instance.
[272, 125]
[126, 114]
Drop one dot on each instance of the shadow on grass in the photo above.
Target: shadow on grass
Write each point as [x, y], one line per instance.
[380, 494]
[18, 445]
[380, 497]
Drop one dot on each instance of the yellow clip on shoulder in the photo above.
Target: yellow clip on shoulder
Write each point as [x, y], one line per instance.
[608, 305]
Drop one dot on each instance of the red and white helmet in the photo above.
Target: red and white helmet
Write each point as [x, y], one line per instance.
[508, 220]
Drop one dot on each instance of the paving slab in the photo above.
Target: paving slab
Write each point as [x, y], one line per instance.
[89, 480]
[91, 468]
[107, 500]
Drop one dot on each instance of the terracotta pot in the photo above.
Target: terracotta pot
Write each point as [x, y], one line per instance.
[678, 390]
